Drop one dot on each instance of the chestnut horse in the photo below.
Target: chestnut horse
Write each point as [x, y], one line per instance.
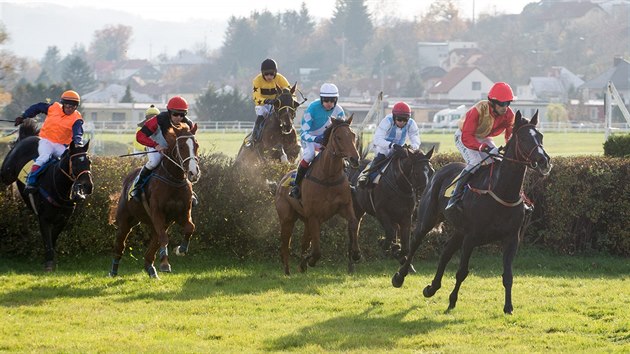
[325, 192]
[493, 209]
[278, 137]
[62, 184]
[167, 199]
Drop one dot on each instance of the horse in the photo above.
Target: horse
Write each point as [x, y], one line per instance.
[493, 209]
[62, 184]
[393, 200]
[278, 137]
[167, 199]
[325, 192]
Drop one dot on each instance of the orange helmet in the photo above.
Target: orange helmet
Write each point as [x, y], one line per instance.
[501, 92]
[177, 103]
[70, 97]
[401, 109]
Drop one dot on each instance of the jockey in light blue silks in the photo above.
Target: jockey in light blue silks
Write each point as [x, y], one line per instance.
[390, 136]
[317, 118]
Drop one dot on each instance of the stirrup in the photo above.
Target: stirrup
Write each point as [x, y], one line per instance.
[295, 192]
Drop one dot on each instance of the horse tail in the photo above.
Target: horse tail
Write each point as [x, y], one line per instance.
[27, 128]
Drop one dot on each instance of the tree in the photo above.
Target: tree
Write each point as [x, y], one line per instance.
[238, 40]
[26, 94]
[78, 74]
[223, 105]
[8, 63]
[127, 98]
[111, 43]
[351, 21]
[51, 64]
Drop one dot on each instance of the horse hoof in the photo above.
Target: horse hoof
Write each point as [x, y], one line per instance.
[350, 268]
[428, 291]
[180, 251]
[166, 268]
[49, 266]
[152, 272]
[112, 274]
[397, 280]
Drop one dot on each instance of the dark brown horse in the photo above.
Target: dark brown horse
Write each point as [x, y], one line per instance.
[167, 199]
[492, 211]
[62, 184]
[393, 200]
[325, 192]
[278, 136]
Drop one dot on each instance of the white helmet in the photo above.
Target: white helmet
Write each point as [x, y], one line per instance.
[329, 90]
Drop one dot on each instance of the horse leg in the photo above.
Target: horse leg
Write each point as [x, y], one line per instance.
[149, 256]
[462, 273]
[390, 232]
[405, 231]
[451, 246]
[304, 249]
[509, 252]
[123, 229]
[314, 229]
[286, 231]
[354, 253]
[188, 229]
[161, 237]
[49, 249]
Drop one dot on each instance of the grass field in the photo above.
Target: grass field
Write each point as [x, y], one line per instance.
[562, 304]
[556, 144]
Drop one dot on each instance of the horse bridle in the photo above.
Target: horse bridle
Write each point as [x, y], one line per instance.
[182, 161]
[520, 156]
[333, 151]
[70, 173]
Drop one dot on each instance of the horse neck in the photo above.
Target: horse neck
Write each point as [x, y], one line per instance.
[401, 177]
[170, 169]
[508, 179]
[331, 166]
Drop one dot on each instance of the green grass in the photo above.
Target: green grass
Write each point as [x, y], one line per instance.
[556, 144]
[562, 304]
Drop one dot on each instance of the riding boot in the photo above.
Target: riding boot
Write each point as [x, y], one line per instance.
[136, 191]
[31, 180]
[295, 191]
[257, 129]
[458, 193]
[364, 178]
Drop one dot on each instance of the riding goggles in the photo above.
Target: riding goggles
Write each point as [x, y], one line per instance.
[502, 104]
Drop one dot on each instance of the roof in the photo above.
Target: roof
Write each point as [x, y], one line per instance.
[618, 74]
[114, 92]
[451, 79]
[557, 10]
[548, 85]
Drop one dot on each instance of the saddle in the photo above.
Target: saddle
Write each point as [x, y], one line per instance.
[26, 169]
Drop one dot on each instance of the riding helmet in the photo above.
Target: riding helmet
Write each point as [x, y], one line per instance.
[329, 90]
[151, 111]
[501, 92]
[70, 97]
[269, 65]
[177, 103]
[401, 109]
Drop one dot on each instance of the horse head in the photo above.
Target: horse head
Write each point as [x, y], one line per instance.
[341, 140]
[285, 108]
[182, 152]
[526, 145]
[420, 168]
[79, 165]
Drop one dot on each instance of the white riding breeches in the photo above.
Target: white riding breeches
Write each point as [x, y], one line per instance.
[154, 159]
[472, 157]
[47, 150]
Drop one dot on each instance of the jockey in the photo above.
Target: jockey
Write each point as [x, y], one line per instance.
[317, 117]
[148, 114]
[63, 125]
[390, 135]
[486, 119]
[264, 94]
[150, 135]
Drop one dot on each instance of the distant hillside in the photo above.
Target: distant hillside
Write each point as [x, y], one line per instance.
[33, 27]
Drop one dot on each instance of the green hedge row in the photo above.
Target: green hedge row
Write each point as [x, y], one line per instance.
[617, 146]
[582, 206]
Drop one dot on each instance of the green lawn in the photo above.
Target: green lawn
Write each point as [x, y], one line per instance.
[563, 304]
[556, 144]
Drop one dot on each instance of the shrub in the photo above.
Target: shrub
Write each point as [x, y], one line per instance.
[617, 146]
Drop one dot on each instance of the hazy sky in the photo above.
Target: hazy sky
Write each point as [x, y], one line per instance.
[181, 10]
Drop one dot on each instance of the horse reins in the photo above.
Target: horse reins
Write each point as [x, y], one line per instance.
[70, 174]
[521, 157]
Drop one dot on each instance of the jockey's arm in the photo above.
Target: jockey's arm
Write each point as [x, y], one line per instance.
[413, 133]
[380, 134]
[306, 124]
[77, 132]
[37, 108]
[143, 135]
[468, 130]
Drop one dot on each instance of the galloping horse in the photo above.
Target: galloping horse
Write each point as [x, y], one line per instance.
[167, 199]
[325, 192]
[62, 184]
[278, 137]
[393, 200]
[493, 210]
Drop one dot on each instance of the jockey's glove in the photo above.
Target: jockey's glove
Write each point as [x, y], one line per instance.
[19, 120]
[319, 139]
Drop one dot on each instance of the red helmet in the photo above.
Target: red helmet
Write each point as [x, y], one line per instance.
[501, 92]
[177, 103]
[401, 109]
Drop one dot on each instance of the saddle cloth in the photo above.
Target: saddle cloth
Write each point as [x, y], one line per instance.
[290, 181]
[25, 171]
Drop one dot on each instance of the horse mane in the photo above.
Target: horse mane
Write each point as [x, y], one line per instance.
[328, 131]
[28, 128]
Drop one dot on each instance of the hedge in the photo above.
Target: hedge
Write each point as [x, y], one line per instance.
[582, 206]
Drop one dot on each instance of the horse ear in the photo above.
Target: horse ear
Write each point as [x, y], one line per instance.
[87, 145]
[430, 153]
[193, 130]
[278, 89]
[349, 120]
[534, 119]
[293, 88]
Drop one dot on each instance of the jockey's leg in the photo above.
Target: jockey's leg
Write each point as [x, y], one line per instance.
[364, 178]
[301, 172]
[458, 192]
[31, 180]
[140, 182]
[257, 128]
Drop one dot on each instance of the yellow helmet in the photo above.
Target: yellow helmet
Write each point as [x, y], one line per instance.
[151, 111]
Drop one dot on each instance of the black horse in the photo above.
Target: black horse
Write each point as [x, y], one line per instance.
[493, 209]
[393, 200]
[62, 184]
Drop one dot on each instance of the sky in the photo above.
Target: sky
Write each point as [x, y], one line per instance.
[182, 10]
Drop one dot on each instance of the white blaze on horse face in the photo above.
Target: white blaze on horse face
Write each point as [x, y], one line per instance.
[193, 167]
[540, 150]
